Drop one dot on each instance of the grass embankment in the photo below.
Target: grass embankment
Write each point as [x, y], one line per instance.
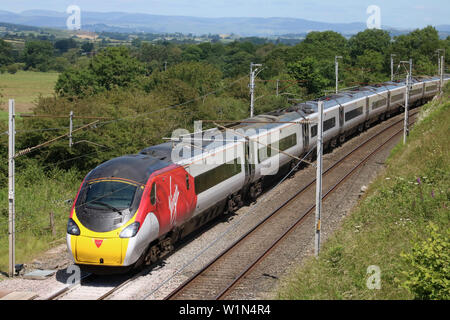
[37, 195]
[404, 212]
[25, 87]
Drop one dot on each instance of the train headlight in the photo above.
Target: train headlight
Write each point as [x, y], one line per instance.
[130, 231]
[72, 228]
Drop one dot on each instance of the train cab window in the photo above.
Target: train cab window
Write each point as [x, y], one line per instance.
[153, 194]
[187, 182]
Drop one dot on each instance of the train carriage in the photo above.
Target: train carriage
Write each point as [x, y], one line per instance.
[131, 210]
[416, 92]
[431, 88]
[378, 102]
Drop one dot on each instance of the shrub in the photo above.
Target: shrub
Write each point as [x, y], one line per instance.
[429, 276]
[12, 68]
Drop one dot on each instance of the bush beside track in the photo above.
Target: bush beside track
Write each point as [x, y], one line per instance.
[401, 225]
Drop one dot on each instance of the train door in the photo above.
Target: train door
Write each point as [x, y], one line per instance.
[367, 108]
[305, 136]
[341, 119]
[388, 104]
[249, 162]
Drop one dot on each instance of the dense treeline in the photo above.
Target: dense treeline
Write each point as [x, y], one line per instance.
[156, 88]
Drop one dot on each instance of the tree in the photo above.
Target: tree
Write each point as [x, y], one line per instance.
[76, 82]
[370, 63]
[370, 39]
[192, 53]
[64, 45]
[6, 56]
[115, 67]
[112, 67]
[87, 47]
[417, 44]
[309, 71]
[320, 45]
[37, 55]
[197, 78]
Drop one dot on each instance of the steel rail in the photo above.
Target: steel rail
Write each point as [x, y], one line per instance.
[178, 290]
[305, 214]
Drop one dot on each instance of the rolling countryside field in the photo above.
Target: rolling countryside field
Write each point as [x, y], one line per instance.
[25, 87]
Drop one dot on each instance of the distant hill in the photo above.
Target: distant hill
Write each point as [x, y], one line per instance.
[138, 22]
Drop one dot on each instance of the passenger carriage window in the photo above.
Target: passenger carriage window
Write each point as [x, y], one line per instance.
[287, 142]
[397, 97]
[153, 194]
[431, 88]
[314, 131]
[415, 91]
[283, 144]
[328, 124]
[379, 103]
[217, 175]
[353, 114]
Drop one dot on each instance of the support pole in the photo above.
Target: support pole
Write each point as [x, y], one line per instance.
[405, 127]
[410, 71]
[319, 180]
[11, 187]
[392, 67]
[70, 129]
[252, 87]
[278, 84]
[336, 68]
[442, 73]
[439, 63]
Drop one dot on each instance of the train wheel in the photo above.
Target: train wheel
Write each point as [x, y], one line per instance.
[333, 143]
[360, 128]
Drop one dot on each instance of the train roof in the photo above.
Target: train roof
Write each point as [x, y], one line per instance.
[210, 141]
[136, 167]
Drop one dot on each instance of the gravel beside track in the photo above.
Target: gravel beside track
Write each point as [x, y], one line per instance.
[200, 248]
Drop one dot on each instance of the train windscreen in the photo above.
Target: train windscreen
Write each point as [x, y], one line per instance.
[110, 195]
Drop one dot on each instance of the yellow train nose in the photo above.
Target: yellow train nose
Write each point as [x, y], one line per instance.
[109, 251]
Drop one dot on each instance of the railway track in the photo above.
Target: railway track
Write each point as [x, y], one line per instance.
[218, 278]
[92, 287]
[223, 273]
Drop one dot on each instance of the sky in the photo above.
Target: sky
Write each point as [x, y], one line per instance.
[394, 13]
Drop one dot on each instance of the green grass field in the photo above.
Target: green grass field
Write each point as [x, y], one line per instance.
[393, 219]
[25, 87]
